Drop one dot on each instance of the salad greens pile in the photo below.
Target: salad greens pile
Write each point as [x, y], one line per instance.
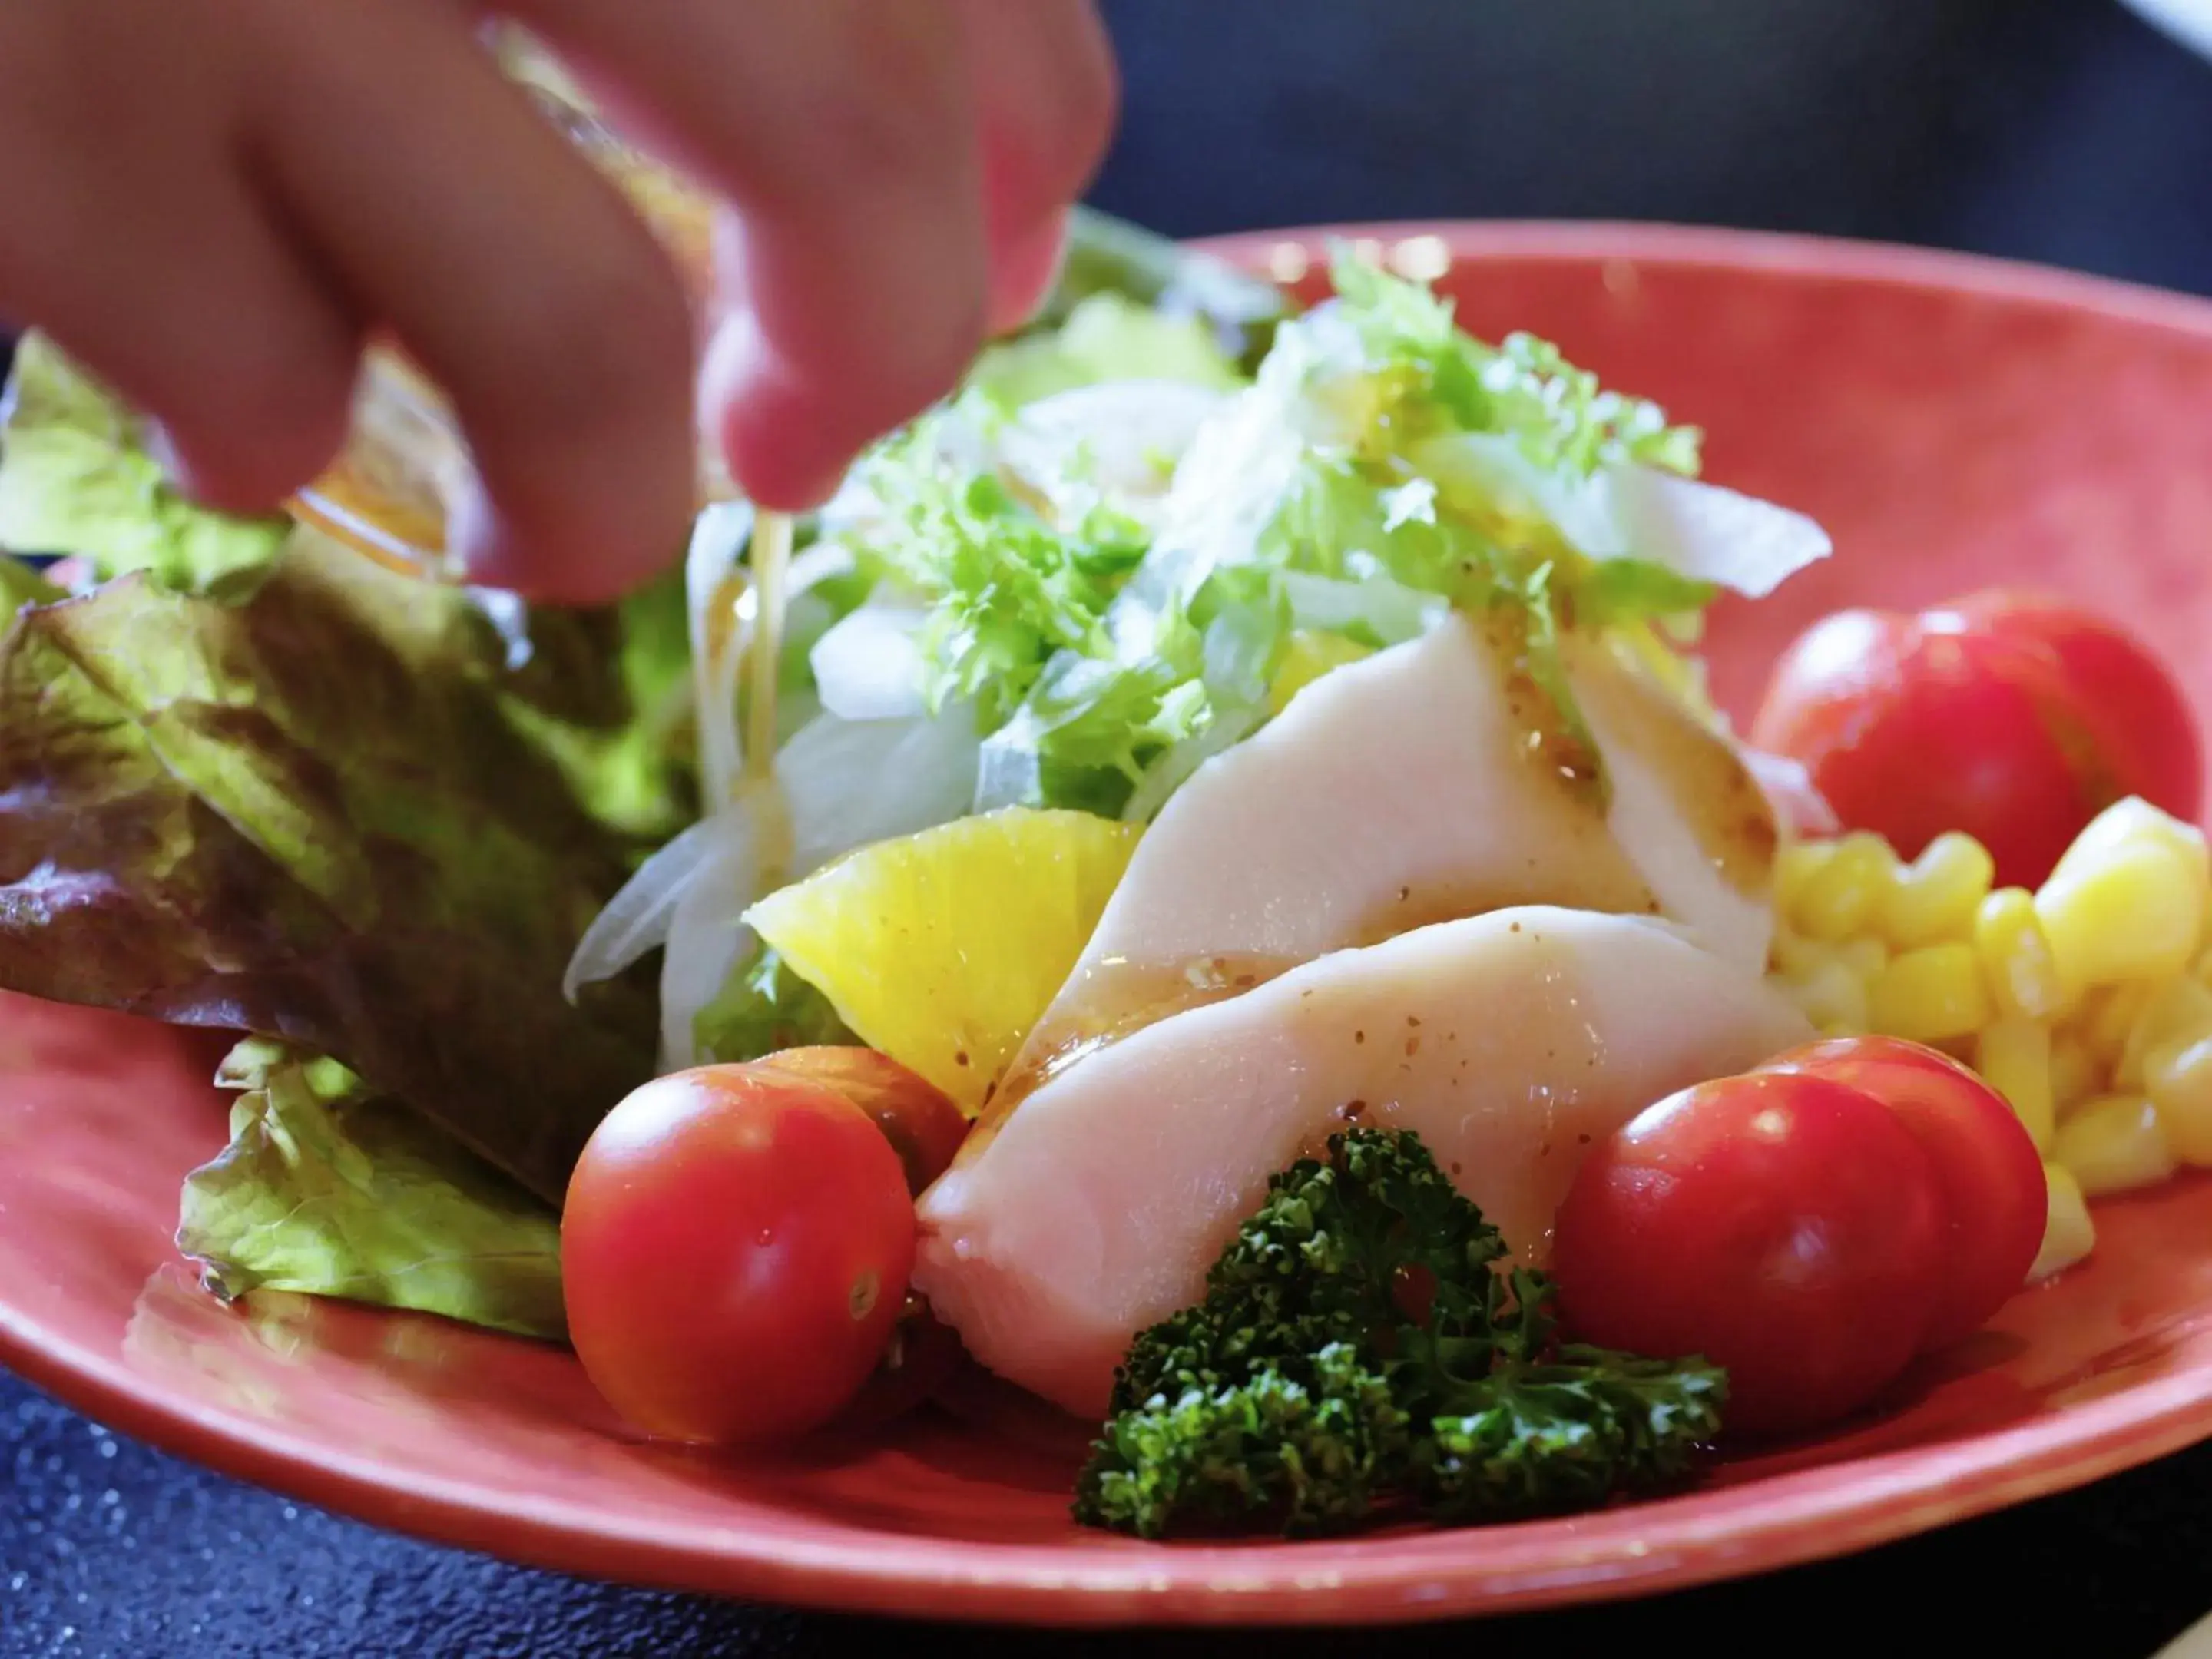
[1112, 629]
[252, 780]
[1115, 553]
[1358, 1347]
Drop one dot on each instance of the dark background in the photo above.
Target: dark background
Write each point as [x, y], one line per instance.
[2055, 130]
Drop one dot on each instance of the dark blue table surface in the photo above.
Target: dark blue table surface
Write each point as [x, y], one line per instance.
[2054, 130]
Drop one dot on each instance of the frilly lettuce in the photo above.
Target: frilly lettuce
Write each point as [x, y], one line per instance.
[1118, 613]
[1106, 336]
[764, 1008]
[1107, 256]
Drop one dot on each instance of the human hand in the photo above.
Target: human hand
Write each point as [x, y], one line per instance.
[215, 204]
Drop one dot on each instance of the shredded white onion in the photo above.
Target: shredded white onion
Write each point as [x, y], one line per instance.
[846, 783]
[706, 935]
[637, 918]
[1796, 804]
[719, 637]
[1696, 530]
[1119, 440]
[868, 666]
[1006, 773]
[1392, 610]
[1713, 535]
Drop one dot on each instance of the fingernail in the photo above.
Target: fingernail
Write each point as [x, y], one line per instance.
[1025, 272]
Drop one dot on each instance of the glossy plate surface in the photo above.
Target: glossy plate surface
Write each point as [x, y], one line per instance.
[1953, 422]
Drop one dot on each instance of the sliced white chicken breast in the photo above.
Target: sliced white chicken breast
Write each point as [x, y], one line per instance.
[1091, 1206]
[1416, 787]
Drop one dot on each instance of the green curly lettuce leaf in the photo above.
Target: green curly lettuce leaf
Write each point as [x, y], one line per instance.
[764, 1007]
[1383, 469]
[328, 1188]
[1106, 335]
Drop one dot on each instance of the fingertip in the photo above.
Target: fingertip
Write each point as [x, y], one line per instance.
[1024, 269]
[586, 533]
[251, 469]
[786, 445]
[564, 564]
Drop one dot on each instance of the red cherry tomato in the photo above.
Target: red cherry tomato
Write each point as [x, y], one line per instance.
[734, 1253]
[2014, 719]
[1990, 1175]
[1782, 1224]
[919, 1120]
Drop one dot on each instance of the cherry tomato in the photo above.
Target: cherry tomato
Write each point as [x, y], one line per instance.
[922, 1124]
[734, 1251]
[1990, 1176]
[1782, 1224]
[2017, 720]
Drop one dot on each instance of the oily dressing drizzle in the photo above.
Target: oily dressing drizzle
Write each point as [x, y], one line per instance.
[1115, 999]
[1705, 779]
[758, 784]
[1571, 796]
[1573, 809]
[1117, 996]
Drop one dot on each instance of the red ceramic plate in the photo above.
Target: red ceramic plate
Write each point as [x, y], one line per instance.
[1952, 422]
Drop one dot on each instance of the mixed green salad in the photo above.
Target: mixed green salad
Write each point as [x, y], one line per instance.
[255, 781]
[466, 871]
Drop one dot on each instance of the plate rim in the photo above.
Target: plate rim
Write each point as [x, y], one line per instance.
[1456, 1573]
[1402, 1578]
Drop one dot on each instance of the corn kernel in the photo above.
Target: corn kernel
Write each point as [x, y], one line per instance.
[1865, 955]
[1935, 896]
[2128, 900]
[1794, 866]
[1796, 956]
[1831, 995]
[2108, 1015]
[2175, 1012]
[2016, 957]
[2075, 1073]
[1845, 894]
[2068, 1234]
[2115, 1143]
[1930, 994]
[2178, 1078]
[2014, 1057]
[2136, 821]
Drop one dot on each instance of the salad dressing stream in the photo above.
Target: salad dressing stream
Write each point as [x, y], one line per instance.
[760, 787]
